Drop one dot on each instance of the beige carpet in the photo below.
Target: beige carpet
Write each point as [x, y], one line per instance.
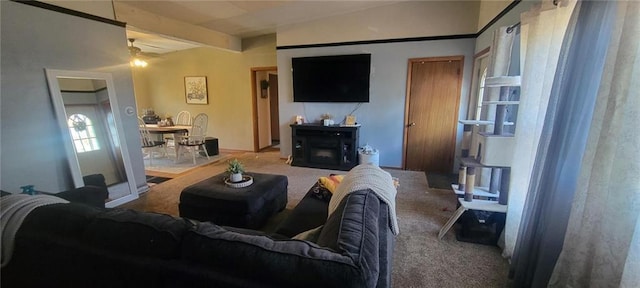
[420, 260]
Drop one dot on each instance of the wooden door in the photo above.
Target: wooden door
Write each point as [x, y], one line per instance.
[273, 107]
[263, 109]
[433, 98]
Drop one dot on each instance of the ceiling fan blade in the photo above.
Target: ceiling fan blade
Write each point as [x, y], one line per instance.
[150, 46]
[150, 54]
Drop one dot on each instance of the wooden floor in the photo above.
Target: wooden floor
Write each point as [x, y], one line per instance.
[232, 153]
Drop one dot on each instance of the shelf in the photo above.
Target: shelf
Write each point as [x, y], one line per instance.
[498, 102]
[477, 191]
[483, 205]
[472, 162]
[476, 122]
[489, 134]
[502, 81]
[476, 204]
[482, 122]
[320, 127]
[497, 150]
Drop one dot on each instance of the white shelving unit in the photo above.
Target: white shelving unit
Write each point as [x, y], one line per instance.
[495, 151]
[482, 122]
[502, 81]
[477, 192]
[483, 205]
[500, 102]
[476, 122]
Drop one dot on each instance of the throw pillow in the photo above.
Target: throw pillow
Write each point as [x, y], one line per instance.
[321, 192]
[331, 182]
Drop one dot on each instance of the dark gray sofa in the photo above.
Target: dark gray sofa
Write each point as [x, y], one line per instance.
[76, 245]
[95, 193]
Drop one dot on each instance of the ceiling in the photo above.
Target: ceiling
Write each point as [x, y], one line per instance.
[237, 18]
[151, 43]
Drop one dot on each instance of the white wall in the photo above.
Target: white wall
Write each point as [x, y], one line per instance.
[382, 118]
[403, 20]
[34, 39]
[512, 17]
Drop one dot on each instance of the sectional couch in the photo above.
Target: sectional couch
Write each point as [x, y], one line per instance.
[78, 245]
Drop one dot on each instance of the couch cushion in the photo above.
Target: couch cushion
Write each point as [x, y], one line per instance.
[387, 243]
[353, 230]
[281, 263]
[309, 235]
[310, 213]
[138, 233]
[66, 220]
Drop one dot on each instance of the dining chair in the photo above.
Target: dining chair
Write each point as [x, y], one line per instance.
[196, 137]
[149, 145]
[183, 118]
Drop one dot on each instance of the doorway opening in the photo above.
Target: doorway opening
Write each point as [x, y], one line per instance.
[266, 123]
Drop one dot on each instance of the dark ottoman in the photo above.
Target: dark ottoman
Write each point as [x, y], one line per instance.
[248, 207]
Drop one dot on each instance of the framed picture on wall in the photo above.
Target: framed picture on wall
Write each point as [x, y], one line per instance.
[195, 89]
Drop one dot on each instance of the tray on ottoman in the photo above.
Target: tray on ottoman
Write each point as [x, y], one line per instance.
[247, 207]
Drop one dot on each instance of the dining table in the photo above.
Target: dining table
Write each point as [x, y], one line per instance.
[176, 130]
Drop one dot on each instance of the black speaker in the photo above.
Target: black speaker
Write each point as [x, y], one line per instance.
[212, 146]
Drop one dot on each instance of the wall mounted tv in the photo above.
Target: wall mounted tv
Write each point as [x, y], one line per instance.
[342, 78]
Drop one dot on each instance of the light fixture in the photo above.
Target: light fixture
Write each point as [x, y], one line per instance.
[135, 60]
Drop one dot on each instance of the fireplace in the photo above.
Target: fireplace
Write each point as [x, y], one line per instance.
[324, 156]
[329, 147]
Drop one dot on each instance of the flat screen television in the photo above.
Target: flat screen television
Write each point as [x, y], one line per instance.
[342, 78]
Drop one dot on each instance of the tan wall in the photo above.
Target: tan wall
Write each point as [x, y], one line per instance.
[489, 9]
[140, 85]
[67, 84]
[161, 86]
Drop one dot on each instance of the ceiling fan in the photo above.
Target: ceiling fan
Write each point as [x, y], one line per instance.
[134, 51]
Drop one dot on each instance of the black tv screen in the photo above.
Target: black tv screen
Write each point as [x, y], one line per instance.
[343, 78]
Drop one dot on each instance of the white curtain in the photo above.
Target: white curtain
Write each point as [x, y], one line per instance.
[542, 32]
[602, 242]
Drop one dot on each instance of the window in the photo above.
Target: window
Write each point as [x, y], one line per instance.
[82, 133]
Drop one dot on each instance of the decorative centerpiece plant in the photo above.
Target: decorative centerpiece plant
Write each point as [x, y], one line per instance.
[326, 116]
[327, 119]
[235, 170]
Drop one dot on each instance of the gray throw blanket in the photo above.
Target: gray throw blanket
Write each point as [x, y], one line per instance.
[13, 210]
[368, 176]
